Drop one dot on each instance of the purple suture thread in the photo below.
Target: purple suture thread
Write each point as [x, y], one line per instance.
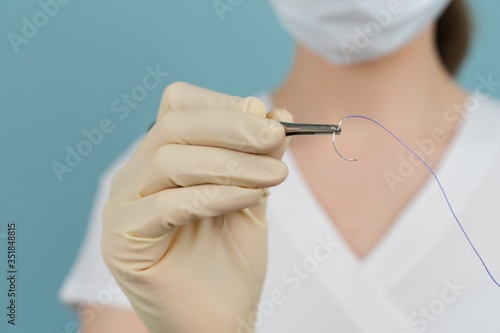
[440, 186]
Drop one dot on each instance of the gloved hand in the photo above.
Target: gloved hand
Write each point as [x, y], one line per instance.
[184, 230]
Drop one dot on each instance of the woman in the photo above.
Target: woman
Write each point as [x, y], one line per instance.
[366, 246]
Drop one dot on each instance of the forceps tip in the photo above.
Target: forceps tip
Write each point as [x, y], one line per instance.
[316, 129]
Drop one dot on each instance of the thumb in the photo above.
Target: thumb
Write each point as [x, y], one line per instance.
[280, 115]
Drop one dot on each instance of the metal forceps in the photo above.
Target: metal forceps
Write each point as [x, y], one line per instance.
[309, 129]
[315, 129]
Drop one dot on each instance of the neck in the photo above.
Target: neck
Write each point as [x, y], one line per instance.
[408, 86]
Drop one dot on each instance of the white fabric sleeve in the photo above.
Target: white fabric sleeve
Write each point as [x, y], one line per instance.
[89, 282]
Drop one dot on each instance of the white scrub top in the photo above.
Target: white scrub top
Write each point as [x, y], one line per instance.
[421, 277]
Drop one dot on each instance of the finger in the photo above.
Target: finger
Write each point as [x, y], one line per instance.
[185, 96]
[183, 165]
[280, 115]
[214, 128]
[154, 215]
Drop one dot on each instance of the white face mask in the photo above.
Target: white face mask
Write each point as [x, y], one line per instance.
[353, 31]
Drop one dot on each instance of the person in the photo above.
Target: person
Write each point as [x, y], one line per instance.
[209, 228]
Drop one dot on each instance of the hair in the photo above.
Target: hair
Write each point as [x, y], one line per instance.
[453, 35]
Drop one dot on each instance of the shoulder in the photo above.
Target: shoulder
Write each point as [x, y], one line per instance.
[482, 123]
[485, 112]
[482, 138]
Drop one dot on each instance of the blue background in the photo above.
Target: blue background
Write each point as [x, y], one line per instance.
[65, 79]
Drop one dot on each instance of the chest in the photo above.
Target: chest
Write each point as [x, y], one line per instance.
[362, 198]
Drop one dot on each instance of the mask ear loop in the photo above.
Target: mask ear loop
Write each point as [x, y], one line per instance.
[335, 144]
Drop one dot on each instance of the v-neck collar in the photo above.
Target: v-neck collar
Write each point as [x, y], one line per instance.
[361, 284]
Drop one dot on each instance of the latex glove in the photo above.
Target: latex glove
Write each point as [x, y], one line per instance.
[184, 230]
